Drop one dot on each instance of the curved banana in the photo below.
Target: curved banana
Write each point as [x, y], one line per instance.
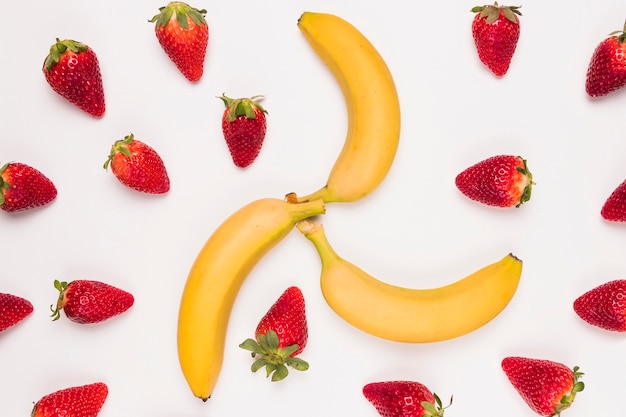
[216, 276]
[372, 104]
[412, 315]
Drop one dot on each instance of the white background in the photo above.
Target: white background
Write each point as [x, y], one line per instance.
[415, 230]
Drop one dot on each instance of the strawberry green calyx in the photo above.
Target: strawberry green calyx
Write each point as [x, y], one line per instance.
[568, 399]
[242, 107]
[61, 286]
[181, 10]
[3, 184]
[274, 359]
[491, 12]
[435, 409]
[528, 189]
[59, 48]
[120, 146]
[622, 34]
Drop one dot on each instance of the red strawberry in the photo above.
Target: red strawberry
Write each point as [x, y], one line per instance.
[614, 208]
[547, 387]
[280, 336]
[72, 70]
[403, 399]
[13, 309]
[80, 401]
[183, 34]
[496, 31]
[22, 187]
[86, 301]
[244, 126]
[604, 306]
[138, 166]
[607, 70]
[501, 181]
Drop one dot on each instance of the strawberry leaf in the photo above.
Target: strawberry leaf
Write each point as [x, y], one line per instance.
[61, 286]
[280, 373]
[271, 340]
[252, 346]
[269, 368]
[288, 350]
[297, 364]
[436, 409]
[269, 355]
[258, 364]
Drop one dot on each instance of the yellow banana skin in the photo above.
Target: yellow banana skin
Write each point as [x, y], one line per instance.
[372, 103]
[216, 276]
[412, 315]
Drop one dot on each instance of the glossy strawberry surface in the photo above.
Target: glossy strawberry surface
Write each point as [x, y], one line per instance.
[614, 207]
[183, 33]
[73, 71]
[604, 306]
[402, 399]
[548, 387]
[280, 336]
[244, 126]
[607, 69]
[500, 181]
[496, 31]
[138, 166]
[13, 309]
[78, 401]
[89, 301]
[287, 317]
[23, 187]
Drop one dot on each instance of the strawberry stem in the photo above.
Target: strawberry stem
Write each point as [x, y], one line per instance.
[241, 107]
[436, 409]
[492, 12]
[121, 146]
[181, 10]
[59, 48]
[275, 360]
[568, 399]
[61, 286]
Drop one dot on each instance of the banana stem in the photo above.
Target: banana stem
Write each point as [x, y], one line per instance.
[315, 233]
[321, 194]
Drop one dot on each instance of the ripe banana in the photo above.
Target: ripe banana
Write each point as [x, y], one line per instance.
[216, 276]
[412, 315]
[372, 104]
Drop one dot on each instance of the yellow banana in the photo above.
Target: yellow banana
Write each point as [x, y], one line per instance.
[412, 315]
[372, 105]
[216, 276]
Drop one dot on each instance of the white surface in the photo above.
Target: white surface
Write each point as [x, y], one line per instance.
[416, 229]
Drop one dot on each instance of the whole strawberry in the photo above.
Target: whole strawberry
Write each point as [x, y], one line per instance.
[23, 187]
[500, 181]
[79, 401]
[604, 306]
[138, 166]
[280, 336]
[403, 399]
[607, 69]
[244, 126]
[614, 208]
[88, 301]
[72, 70]
[183, 34]
[13, 309]
[496, 31]
[547, 387]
